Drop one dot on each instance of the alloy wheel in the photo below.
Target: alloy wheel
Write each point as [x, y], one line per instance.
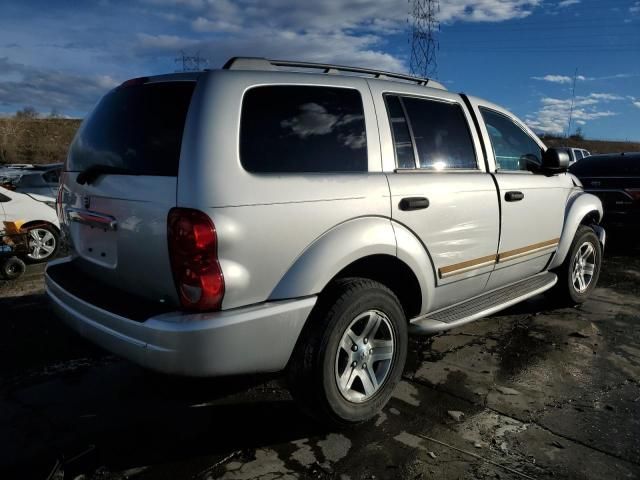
[42, 244]
[364, 356]
[584, 266]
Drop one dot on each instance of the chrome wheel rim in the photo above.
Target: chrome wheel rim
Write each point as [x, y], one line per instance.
[42, 244]
[584, 267]
[364, 356]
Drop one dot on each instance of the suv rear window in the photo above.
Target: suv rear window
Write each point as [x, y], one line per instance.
[303, 129]
[136, 127]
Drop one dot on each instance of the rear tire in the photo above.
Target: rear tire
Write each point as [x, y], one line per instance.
[578, 274]
[351, 353]
[12, 268]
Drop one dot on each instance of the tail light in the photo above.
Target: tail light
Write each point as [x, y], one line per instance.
[193, 249]
[633, 193]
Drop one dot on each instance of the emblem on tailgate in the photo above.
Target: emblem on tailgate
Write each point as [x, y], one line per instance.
[86, 201]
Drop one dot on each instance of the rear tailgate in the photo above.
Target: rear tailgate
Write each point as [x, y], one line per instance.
[116, 215]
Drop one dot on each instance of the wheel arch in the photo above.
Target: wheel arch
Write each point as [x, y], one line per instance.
[40, 223]
[582, 209]
[368, 247]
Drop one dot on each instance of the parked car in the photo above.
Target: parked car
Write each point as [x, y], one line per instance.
[35, 216]
[258, 218]
[576, 154]
[38, 179]
[615, 179]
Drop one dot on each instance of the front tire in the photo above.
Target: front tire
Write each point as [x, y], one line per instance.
[351, 354]
[578, 274]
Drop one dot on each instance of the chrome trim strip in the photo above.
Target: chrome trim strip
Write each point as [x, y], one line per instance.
[93, 219]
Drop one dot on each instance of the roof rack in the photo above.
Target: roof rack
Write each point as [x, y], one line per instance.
[259, 63]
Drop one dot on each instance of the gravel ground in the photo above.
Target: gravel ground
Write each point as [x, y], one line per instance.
[532, 392]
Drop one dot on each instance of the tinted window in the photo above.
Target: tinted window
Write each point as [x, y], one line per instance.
[4, 198]
[31, 180]
[401, 136]
[607, 166]
[136, 127]
[52, 176]
[578, 154]
[303, 129]
[512, 147]
[441, 134]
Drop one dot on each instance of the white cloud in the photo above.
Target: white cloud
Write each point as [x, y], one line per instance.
[486, 10]
[47, 89]
[556, 78]
[567, 3]
[553, 115]
[163, 42]
[635, 8]
[202, 24]
[333, 31]
[637, 104]
[605, 96]
[565, 79]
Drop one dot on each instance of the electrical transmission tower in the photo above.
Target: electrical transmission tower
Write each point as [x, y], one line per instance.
[573, 99]
[190, 63]
[424, 42]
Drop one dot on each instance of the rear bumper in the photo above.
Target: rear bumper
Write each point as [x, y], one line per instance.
[258, 338]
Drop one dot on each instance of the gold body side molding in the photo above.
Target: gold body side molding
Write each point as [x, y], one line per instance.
[462, 267]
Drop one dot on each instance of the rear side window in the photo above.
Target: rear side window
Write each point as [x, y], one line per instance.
[303, 129]
[578, 154]
[137, 128]
[438, 129]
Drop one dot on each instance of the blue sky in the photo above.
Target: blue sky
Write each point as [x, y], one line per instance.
[522, 54]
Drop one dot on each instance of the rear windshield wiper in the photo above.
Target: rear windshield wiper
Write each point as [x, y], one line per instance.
[91, 174]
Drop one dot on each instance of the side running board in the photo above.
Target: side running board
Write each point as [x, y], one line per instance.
[481, 306]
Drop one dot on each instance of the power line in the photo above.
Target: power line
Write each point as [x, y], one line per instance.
[424, 43]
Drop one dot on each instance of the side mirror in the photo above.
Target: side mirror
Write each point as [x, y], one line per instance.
[530, 163]
[555, 160]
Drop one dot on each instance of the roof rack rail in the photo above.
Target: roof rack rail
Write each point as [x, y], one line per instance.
[259, 63]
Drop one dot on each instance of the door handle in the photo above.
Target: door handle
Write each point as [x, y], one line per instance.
[413, 203]
[513, 196]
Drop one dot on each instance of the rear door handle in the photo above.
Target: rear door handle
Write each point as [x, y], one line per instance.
[414, 203]
[513, 196]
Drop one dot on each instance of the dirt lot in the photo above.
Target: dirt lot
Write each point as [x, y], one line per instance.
[528, 393]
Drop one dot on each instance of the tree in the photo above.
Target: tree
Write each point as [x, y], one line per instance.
[578, 134]
[27, 112]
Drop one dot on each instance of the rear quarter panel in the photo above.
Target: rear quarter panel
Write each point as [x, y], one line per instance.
[266, 221]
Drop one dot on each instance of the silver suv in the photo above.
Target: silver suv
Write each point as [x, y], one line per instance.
[276, 215]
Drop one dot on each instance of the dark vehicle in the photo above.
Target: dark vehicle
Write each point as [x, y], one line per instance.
[615, 178]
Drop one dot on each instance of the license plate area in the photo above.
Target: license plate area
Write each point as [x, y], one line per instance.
[95, 244]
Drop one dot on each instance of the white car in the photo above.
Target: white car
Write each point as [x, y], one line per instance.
[38, 216]
[39, 179]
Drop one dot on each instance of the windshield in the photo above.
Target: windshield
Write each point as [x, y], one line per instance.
[136, 128]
